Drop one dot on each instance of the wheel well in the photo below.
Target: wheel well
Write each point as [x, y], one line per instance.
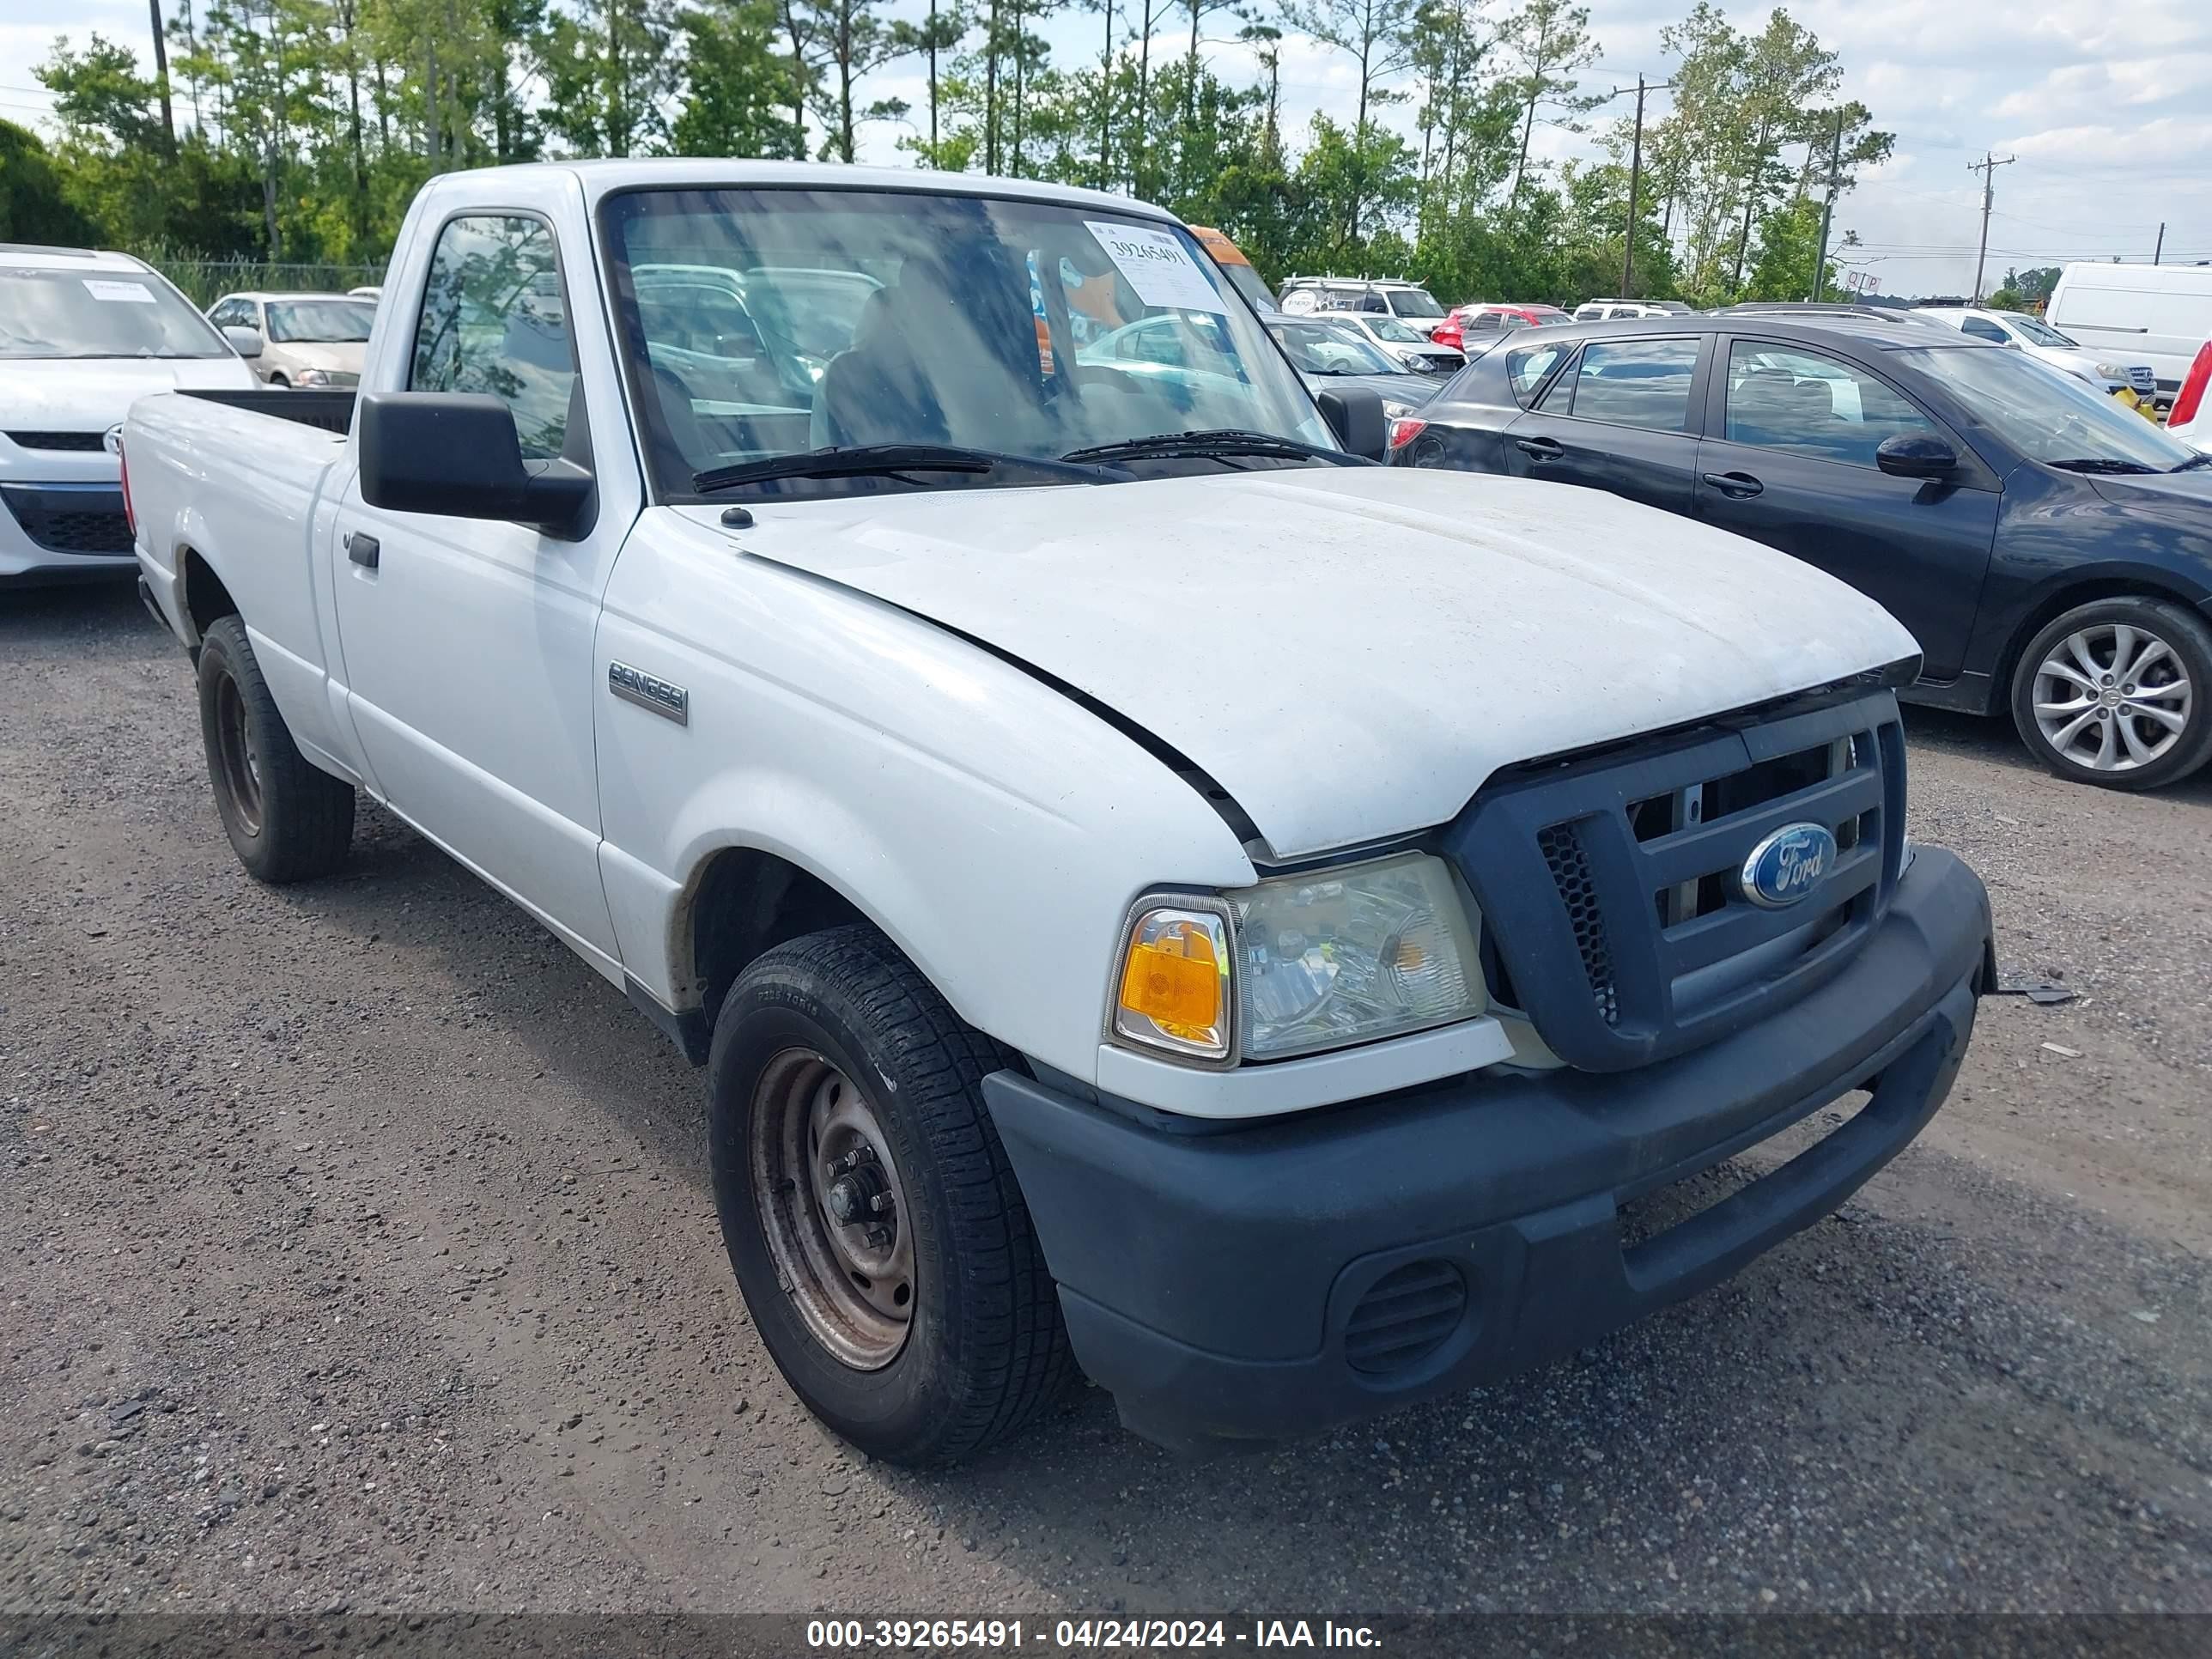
[743, 903]
[206, 600]
[2055, 604]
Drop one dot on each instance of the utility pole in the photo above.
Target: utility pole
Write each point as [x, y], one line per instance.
[1987, 167]
[2161, 249]
[1827, 211]
[162, 78]
[1635, 179]
[1106, 104]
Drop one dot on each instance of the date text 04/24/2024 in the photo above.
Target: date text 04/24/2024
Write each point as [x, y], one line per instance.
[1084, 1633]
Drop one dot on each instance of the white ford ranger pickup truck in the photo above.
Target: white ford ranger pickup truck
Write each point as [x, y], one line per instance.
[1154, 893]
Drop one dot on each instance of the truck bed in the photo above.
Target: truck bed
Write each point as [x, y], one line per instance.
[330, 411]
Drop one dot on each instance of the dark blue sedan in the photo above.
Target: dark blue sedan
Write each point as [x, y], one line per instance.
[2051, 549]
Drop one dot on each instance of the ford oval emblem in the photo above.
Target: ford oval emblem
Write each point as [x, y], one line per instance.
[1787, 865]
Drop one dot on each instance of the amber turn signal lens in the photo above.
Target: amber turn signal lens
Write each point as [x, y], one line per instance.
[1174, 983]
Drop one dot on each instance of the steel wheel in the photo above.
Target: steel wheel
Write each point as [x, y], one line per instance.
[2112, 697]
[833, 1208]
[238, 759]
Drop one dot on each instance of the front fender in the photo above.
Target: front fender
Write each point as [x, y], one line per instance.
[995, 831]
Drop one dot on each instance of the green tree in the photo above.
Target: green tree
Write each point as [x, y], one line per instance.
[1377, 36]
[737, 84]
[33, 205]
[1549, 43]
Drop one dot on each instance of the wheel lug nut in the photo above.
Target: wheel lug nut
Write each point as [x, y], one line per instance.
[2127, 690]
[2108, 679]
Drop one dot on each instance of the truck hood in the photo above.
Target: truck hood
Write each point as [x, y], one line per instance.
[90, 394]
[1349, 653]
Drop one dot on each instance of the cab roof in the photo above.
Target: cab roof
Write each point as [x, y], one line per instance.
[603, 179]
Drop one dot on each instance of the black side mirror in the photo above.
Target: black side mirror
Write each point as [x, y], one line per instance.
[1916, 455]
[457, 453]
[1354, 413]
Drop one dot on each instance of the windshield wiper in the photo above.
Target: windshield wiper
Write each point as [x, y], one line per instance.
[2193, 461]
[877, 461]
[2100, 463]
[1228, 441]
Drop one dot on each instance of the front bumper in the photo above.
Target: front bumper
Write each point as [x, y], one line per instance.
[58, 531]
[1269, 1281]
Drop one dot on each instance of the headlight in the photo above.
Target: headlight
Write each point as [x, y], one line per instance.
[1350, 954]
[312, 377]
[2111, 371]
[1412, 360]
[1395, 411]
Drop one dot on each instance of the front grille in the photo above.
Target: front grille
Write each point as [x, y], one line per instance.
[89, 443]
[70, 522]
[1562, 847]
[2143, 379]
[1609, 887]
[1406, 1316]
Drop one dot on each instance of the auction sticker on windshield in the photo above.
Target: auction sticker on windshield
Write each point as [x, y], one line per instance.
[135, 294]
[1158, 266]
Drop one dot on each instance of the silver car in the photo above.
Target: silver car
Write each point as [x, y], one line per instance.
[297, 339]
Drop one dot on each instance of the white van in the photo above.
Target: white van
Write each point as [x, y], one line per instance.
[2158, 314]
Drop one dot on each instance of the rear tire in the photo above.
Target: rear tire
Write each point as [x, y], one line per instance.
[2118, 693]
[927, 1327]
[288, 819]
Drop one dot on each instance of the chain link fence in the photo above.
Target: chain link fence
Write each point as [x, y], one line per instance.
[206, 280]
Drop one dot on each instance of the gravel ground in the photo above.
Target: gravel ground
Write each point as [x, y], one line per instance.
[361, 1253]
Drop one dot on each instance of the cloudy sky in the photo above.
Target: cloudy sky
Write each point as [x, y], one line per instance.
[2107, 104]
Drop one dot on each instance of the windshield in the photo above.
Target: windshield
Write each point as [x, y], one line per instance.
[2035, 332]
[64, 313]
[2047, 418]
[319, 322]
[1388, 328]
[1328, 348]
[1414, 302]
[1245, 281]
[1022, 328]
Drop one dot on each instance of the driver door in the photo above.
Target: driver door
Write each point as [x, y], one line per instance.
[468, 642]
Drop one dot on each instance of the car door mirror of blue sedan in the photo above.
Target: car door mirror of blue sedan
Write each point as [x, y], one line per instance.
[1916, 455]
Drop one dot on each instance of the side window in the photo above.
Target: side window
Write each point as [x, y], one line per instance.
[1810, 404]
[1483, 321]
[1642, 383]
[493, 321]
[224, 314]
[1982, 328]
[1527, 368]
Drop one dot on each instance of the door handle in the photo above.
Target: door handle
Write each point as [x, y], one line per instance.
[1539, 449]
[1740, 486]
[363, 550]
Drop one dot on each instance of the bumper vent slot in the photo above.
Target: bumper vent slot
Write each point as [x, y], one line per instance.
[1561, 845]
[1406, 1316]
[90, 443]
[70, 520]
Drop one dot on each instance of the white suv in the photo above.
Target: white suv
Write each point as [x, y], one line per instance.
[1409, 302]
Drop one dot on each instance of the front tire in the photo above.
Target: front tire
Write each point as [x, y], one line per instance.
[869, 1211]
[288, 819]
[2114, 693]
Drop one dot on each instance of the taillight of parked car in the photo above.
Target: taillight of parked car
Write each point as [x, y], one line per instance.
[1405, 430]
[2192, 389]
[123, 464]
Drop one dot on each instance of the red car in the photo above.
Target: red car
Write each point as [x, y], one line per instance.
[1493, 318]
